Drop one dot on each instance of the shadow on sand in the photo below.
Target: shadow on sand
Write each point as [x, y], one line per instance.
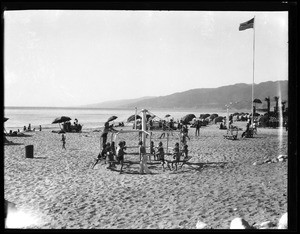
[11, 143]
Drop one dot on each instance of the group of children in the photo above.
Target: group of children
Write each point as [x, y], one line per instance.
[159, 154]
[114, 155]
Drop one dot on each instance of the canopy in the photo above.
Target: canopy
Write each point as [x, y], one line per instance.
[132, 118]
[204, 116]
[112, 118]
[61, 119]
[218, 119]
[187, 118]
[213, 116]
[256, 100]
[5, 119]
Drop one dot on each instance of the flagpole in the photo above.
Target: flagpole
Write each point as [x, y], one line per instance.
[253, 70]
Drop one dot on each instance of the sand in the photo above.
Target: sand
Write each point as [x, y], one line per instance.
[59, 188]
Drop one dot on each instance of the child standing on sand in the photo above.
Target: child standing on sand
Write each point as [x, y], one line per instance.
[110, 156]
[63, 139]
[176, 155]
[152, 150]
[185, 151]
[160, 154]
[120, 154]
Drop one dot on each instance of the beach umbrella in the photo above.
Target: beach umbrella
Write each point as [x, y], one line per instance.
[112, 118]
[204, 116]
[213, 116]
[5, 119]
[148, 116]
[167, 116]
[236, 113]
[132, 118]
[187, 118]
[61, 119]
[256, 100]
[218, 119]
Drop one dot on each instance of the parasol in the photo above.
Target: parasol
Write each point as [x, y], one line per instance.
[187, 118]
[61, 119]
[132, 118]
[112, 118]
[218, 119]
[5, 119]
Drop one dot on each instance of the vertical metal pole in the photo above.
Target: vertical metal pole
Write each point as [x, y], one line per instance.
[167, 143]
[253, 70]
[144, 127]
[135, 118]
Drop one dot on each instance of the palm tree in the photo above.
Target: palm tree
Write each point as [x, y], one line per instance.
[276, 98]
[267, 99]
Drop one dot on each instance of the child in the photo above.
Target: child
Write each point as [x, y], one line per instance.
[102, 154]
[120, 154]
[63, 139]
[176, 155]
[160, 154]
[110, 155]
[152, 150]
[143, 159]
[185, 151]
[113, 150]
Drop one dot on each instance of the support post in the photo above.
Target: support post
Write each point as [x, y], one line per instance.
[144, 111]
[135, 118]
[167, 142]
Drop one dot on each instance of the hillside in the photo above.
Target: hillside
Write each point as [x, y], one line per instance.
[116, 103]
[209, 98]
[218, 97]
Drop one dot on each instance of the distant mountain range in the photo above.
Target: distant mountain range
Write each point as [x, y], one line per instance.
[116, 103]
[208, 98]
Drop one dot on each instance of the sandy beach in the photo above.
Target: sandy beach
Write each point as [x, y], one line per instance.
[60, 188]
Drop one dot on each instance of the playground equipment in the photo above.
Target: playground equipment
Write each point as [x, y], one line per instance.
[146, 136]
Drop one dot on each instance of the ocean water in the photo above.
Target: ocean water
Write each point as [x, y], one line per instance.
[89, 118]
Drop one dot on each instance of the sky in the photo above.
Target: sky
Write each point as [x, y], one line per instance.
[62, 58]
